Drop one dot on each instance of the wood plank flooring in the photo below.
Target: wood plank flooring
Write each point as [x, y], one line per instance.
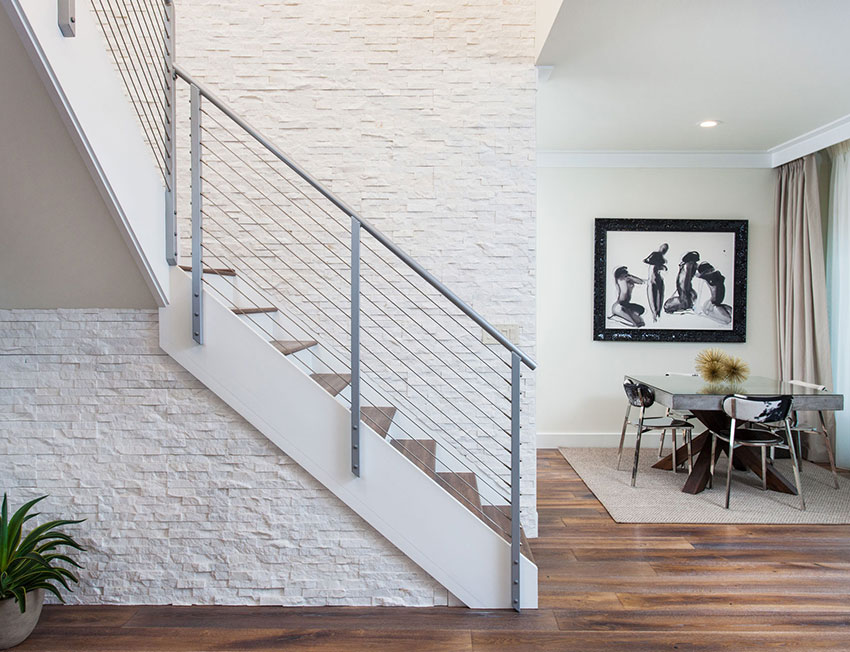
[603, 586]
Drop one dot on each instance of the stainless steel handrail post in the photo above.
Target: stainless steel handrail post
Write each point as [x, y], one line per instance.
[170, 140]
[197, 231]
[515, 475]
[355, 347]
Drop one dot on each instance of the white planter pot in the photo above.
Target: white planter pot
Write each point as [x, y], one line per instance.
[15, 626]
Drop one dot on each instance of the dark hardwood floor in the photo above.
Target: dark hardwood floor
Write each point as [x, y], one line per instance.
[603, 586]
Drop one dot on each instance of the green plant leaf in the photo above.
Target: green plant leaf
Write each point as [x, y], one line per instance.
[43, 532]
[51, 588]
[31, 561]
[4, 529]
[21, 597]
[13, 531]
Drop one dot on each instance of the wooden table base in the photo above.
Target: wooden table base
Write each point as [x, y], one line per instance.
[745, 457]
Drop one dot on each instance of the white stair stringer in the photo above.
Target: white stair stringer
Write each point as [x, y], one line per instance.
[279, 399]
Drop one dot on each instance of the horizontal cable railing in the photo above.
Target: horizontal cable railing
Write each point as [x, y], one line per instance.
[285, 253]
[302, 266]
[136, 35]
[251, 225]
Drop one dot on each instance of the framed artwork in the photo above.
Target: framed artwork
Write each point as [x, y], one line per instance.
[665, 280]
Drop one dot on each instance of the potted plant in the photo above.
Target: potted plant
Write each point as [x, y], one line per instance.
[28, 568]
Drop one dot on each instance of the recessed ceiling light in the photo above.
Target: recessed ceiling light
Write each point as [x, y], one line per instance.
[708, 124]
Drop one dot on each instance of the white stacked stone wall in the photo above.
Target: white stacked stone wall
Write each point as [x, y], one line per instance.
[185, 502]
[421, 116]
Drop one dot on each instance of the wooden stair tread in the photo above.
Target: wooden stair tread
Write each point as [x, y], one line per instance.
[288, 347]
[422, 452]
[499, 520]
[463, 486]
[378, 419]
[333, 384]
[218, 271]
[253, 311]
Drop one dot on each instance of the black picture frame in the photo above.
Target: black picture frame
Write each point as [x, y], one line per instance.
[605, 328]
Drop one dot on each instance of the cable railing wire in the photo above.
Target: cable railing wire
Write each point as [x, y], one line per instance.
[366, 279]
[367, 315]
[345, 279]
[273, 336]
[419, 290]
[137, 49]
[377, 374]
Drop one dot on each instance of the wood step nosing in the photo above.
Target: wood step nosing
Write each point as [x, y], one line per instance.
[291, 347]
[216, 271]
[326, 382]
[253, 311]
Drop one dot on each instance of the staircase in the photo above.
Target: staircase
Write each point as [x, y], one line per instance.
[313, 325]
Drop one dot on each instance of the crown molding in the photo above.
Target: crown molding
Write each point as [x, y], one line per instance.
[652, 159]
[808, 143]
[813, 141]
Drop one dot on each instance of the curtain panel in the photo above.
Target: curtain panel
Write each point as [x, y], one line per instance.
[802, 317]
[838, 284]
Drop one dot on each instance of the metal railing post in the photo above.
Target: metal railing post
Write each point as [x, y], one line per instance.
[197, 270]
[170, 141]
[515, 489]
[355, 347]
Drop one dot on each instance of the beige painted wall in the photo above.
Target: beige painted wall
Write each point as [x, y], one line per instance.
[59, 246]
[546, 12]
[579, 380]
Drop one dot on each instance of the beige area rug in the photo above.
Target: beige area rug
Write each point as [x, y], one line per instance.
[658, 496]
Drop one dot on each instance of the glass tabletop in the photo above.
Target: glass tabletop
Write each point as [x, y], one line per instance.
[754, 385]
[695, 393]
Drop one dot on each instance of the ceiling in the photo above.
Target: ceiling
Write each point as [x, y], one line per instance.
[641, 74]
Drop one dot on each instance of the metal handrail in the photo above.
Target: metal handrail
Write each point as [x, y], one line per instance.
[350, 212]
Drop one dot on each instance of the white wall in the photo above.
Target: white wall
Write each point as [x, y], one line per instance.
[59, 247]
[547, 11]
[579, 380]
[420, 116]
[186, 503]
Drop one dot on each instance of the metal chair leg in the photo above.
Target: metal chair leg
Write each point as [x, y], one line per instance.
[688, 436]
[637, 447]
[800, 451]
[823, 431]
[729, 467]
[729, 475]
[764, 468]
[796, 465]
[661, 445]
[623, 435]
[675, 446]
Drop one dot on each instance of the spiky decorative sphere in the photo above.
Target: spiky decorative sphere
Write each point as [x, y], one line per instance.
[711, 364]
[736, 370]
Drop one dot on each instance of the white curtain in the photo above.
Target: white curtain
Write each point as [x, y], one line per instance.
[838, 284]
[802, 319]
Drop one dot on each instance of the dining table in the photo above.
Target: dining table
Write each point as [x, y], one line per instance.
[704, 400]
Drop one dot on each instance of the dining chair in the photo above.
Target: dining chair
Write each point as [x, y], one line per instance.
[751, 420]
[799, 430]
[682, 415]
[642, 396]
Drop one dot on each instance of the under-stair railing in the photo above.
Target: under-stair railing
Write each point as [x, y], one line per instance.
[139, 35]
[282, 250]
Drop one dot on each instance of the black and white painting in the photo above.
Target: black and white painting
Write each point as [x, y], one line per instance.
[670, 280]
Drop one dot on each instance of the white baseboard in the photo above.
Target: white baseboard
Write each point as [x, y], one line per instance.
[594, 440]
